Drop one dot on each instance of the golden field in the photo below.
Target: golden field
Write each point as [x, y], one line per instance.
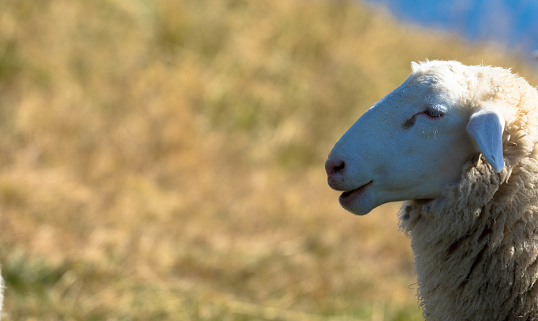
[163, 160]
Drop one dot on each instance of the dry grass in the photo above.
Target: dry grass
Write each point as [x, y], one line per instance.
[163, 160]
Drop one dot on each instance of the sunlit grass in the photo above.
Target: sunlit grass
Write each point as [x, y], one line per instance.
[163, 160]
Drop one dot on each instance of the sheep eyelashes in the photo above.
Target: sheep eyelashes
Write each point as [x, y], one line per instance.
[467, 176]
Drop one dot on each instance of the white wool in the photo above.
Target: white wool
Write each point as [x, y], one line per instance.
[459, 143]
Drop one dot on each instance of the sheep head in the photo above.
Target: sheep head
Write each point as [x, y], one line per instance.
[414, 142]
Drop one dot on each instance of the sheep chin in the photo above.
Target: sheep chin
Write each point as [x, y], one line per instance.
[356, 201]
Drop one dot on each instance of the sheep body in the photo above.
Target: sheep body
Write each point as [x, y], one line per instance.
[476, 246]
[473, 221]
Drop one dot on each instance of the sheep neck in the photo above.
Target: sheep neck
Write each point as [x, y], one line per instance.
[475, 251]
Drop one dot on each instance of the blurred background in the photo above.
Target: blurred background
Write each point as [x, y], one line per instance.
[163, 160]
[511, 24]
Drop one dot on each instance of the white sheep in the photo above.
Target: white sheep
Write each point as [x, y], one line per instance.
[459, 144]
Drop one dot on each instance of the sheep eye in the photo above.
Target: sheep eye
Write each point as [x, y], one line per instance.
[432, 113]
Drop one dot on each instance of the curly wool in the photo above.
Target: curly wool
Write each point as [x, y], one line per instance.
[476, 247]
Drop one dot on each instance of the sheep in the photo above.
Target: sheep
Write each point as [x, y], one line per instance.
[458, 144]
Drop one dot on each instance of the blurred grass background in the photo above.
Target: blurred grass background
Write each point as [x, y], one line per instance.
[163, 160]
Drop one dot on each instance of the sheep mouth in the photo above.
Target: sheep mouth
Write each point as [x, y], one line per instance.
[354, 192]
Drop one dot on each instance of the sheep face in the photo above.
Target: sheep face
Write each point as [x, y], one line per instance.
[409, 145]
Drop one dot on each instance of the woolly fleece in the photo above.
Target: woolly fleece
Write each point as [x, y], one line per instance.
[476, 247]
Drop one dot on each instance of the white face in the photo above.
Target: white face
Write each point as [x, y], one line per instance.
[409, 145]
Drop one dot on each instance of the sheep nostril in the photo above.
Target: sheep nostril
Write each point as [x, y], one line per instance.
[339, 167]
[332, 167]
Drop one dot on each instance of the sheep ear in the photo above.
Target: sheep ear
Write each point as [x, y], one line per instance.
[487, 127]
